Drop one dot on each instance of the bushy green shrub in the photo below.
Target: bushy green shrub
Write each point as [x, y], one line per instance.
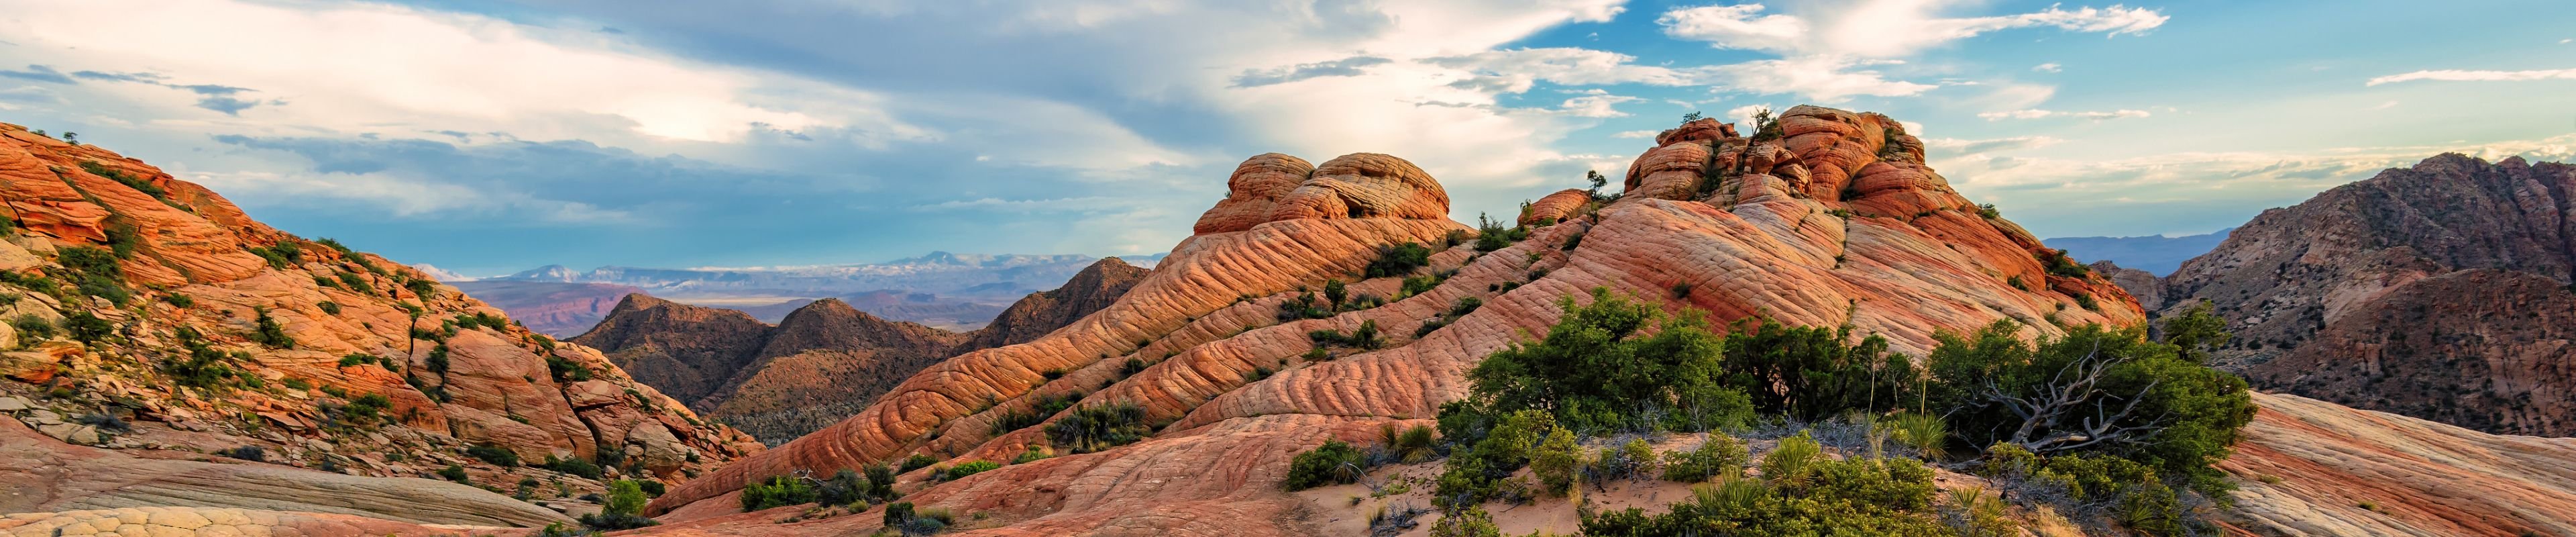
[496, 455]
[1411, 445]
[2058, 264]
[1099, 427]
[2158, 406]
[961, 470]
[1720, 457]
[1845, 497]
[1491, 235]
[1398, 259]
[1811, 374]
[1335, 462]
[86, 328]
[1555, 461]
[918, 460]
[32, 328]
[777, 491]
[572, 465]
[453, 473]
[623, 511]
[1599, 366]
[268, 332]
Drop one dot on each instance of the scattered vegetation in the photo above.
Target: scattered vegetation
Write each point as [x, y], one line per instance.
[1398, 259]
[777, 491]
[267, 332]
[247, 453]
[1099, 427]
[1335, 462]
[1492, 235]
[624, 509]
[2058, 264]
[496, 455]
[961, 470]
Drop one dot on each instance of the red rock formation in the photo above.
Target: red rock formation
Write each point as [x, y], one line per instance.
[1555, 207]
[1915, 259]
[2311, 468]
[2485, 349]
[776, 382]
[220, 332]
[1034, 316]
[2393, 294]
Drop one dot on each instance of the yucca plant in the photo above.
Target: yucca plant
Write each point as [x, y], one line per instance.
[1732, 495]
[1413, 445]
[1788, 463]
[1927, 434]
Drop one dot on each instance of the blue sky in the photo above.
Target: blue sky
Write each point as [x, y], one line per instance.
[488, 136]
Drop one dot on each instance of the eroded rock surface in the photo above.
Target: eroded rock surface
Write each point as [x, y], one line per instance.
[181, 324]
[2310, 467]
[1897, 253]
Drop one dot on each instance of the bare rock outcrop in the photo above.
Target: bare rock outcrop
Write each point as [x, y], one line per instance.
[776, 382]
[182, 324]
[2435, 291]
[2313, 468]
[1900, 256]
[1096, 287]
[1555, 207]
[53, 476]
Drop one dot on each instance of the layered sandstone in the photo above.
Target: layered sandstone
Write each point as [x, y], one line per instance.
[202, 330]
[1034, 316]
[553, 308]
[2313, 468]
[1836, 223]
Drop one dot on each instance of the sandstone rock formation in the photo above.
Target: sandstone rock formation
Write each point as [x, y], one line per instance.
[212, 522]
[1034, 316]
[2312, 468]
[823, 362]
[52, 476]
[1838, 223]
[2434, 291]
[150, 313]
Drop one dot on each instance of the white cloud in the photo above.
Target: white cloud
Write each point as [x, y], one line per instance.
[2048, 68]
[403, 197]
[1880, 28]
[1955, 146]
[2385, 105]
[1744, 114]
[2453, 75]
[1635, 134]
[1825, 79]
[1598, 106]
[1514, 71]
[1828, 47]
[2034, 113]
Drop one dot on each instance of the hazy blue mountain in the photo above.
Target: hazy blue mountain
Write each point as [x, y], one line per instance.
[2154, 253]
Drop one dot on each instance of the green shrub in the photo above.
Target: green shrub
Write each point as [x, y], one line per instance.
[86, 328]
[1720, 457]
[281, 255]
[453, 473]
[918, 460]
[844, 488]
[1846, 497]
[366, 410]
[1491, 235]
[777, 491]
[1555, 461]
[1926, 433]
[565, 370]
[1592, 369]
[496, 455]
[1335, 462]
[1811, 374]
[1398, 259]
[1335, 292]
[624, 509]
[32, 328]
[2158, 405]
[1472, 521]
[1412, 445]
[572, 465]
[968, 468]
[268, 332]
[1790, 460]
[2057, 264]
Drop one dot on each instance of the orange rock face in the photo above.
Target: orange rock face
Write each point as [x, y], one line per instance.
[1222, 369]
[2309, 467]
[1555, 207]
[222, 333]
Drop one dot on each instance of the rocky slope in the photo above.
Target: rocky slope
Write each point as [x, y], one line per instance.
[551, 308]
[822, 362]
[148, 314]
[2313, 468]
[1835, 221]
[2434, 291]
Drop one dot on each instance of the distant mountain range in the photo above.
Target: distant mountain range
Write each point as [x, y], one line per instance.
[946, 290]
[2154, 253]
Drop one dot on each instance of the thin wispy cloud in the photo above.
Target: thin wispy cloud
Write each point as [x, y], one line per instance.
[2454, 75]
[2034, 113]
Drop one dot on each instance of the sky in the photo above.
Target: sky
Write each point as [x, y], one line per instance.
[489, 136]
